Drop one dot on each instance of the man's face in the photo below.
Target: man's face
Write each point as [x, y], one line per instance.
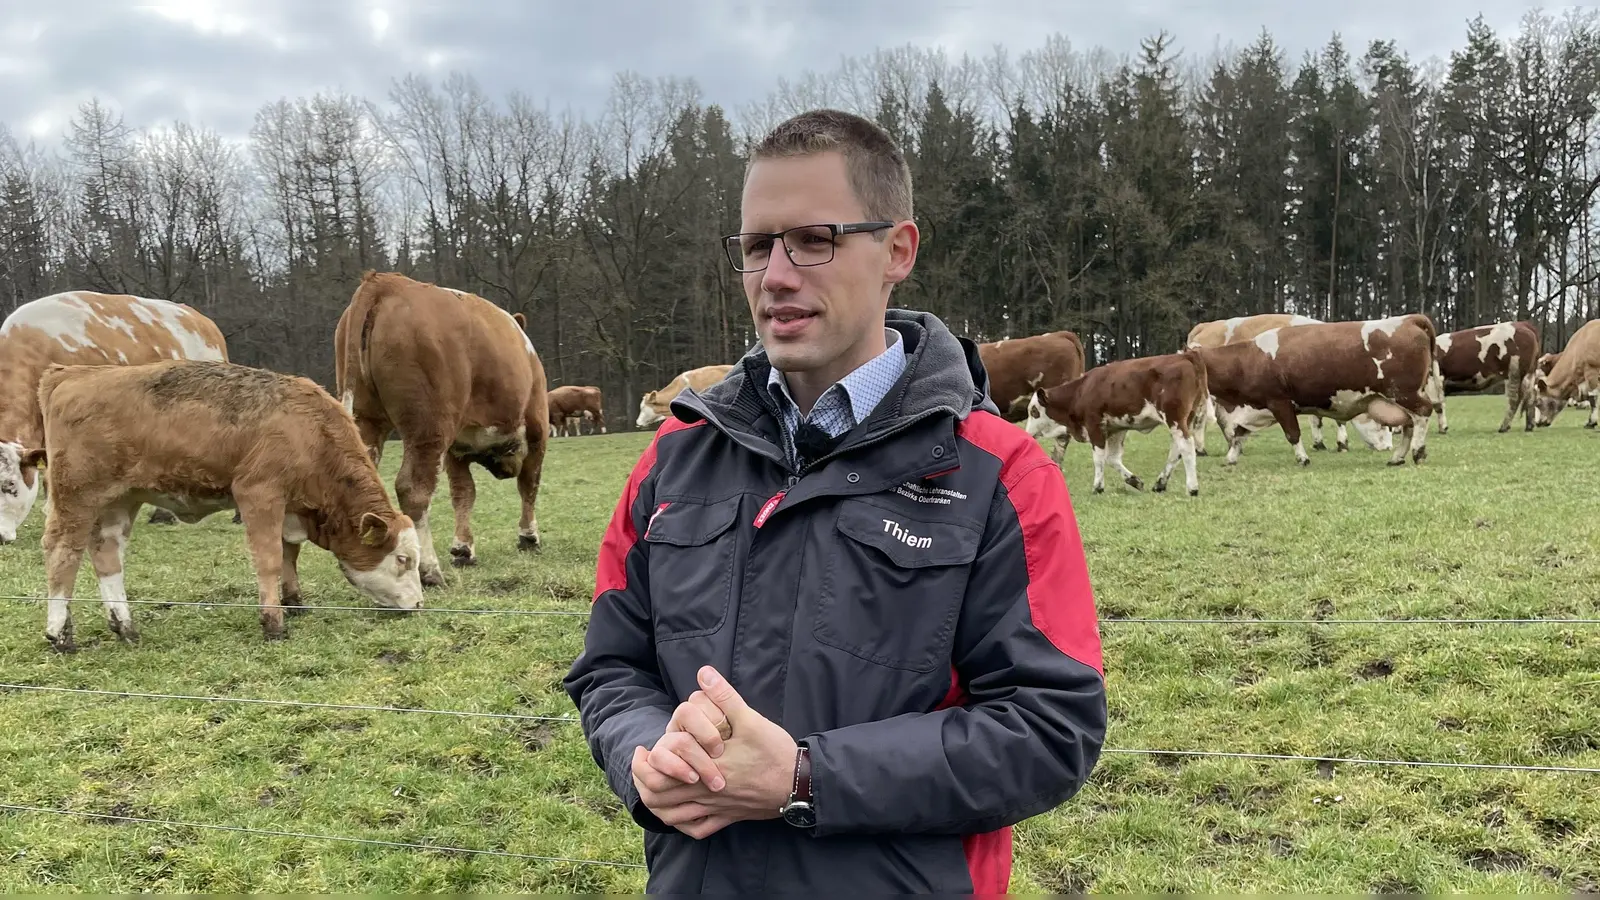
[825, 319]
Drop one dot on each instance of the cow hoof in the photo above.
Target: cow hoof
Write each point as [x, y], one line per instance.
[1099, 489]
[1160, 487]
[126, 631]
[1304, 462]
[462, 555]
[1318, 445]
[1134, 482]
[274, 631]
[63, 642]
[1395, 462]
[1342, 447]
[1501, 430]
[293, 604]
[527, 542]
[432, 578]
[1195, 492]
[1419, 456]
[1199, 453]
[1588, 424]
[159, 516]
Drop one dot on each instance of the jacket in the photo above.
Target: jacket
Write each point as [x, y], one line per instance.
[915, 607]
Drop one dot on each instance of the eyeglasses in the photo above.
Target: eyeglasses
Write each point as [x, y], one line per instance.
[806, 245]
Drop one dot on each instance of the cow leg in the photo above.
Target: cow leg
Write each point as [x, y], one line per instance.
[1099, 469]
[463, 494]
[290, 579]
[1341, 439]
[1594, 410]
[108, 549]
[1444, 422]
[1206, 414]
[1114, 446]
[1182, 448]
[414, 486]
[600, 421]
[528, 486]
[373, 432]
[261, 510]
[66, 535]
[1316, 434]
[1290, 423]
[1528, 400]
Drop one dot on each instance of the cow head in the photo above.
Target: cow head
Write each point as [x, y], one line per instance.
[19, 486]
[1039, 423]
[647, 411]
[384, 565]
[1547, 401]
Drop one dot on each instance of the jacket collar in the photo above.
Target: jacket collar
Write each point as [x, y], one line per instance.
[943, 376]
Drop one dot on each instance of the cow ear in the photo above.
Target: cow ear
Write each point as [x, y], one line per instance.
[33, 459]
[522, 320]
[374, 529]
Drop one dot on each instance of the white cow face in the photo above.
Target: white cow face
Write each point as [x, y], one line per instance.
[647, 414]
[396, 581]
[1546, 404]
[1039, 423]
[19, 487]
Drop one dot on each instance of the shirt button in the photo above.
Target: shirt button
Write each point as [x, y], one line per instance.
[852, 478]
[938, 452]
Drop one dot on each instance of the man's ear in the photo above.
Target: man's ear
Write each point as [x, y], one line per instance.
[374, 529]
[33, 459]
[904, 239]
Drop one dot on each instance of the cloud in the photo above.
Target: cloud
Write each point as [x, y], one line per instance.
[217, 64]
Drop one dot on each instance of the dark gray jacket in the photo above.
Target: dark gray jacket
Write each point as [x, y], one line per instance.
[915, 607]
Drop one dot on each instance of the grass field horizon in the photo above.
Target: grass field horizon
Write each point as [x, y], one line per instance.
[1489, 526]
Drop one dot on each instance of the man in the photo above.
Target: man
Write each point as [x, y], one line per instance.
[843, 635]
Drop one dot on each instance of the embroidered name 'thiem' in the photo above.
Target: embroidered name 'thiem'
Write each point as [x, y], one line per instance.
[900, 534]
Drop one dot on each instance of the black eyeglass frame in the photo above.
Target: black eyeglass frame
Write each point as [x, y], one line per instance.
[730, 243]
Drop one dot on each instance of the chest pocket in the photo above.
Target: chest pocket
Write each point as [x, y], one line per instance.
[892, 587]
[691, 566]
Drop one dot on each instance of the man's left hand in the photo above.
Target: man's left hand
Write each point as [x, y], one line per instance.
[757, 763]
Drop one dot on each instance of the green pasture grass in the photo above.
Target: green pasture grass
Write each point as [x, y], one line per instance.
[1490, 525]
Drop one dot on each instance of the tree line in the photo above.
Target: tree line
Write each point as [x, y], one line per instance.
[1126, 198]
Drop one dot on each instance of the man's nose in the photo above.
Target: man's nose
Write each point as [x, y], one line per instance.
[781, 274]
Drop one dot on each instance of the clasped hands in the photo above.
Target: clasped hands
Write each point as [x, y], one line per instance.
[719, 762]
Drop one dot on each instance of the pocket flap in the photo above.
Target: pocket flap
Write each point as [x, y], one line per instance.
[909, 543]
[690, 523]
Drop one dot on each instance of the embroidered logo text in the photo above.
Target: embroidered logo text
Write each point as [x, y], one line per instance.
[905, 537]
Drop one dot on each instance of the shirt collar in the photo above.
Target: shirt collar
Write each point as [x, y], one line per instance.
[864, 387]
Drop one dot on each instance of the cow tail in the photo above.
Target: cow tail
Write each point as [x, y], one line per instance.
[1197, 419]
[364, 309]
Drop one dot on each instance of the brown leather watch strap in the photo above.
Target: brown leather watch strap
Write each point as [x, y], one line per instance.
[802, 774]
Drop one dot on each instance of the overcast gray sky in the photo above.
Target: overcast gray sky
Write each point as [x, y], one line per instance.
[216, 63]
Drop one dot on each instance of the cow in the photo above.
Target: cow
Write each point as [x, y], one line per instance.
[1245, 328]
[79, 328]
[1545, 364]
[1102, 405]
[1382, 368]
[655, 405]
[1573, 375]
[459, 380]
[1480, 359]
[195, 437]
[1018, 366]
[571, 404]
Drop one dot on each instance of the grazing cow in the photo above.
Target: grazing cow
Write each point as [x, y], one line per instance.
[571, 404]
[457, 377]
[1482, 358]
[1382, 368]
[1241, 329]
[655, 406]
[196, 437]
[1573, 375]
[1546, 363]
[1101, 406]
[1019, 366]
[79, 328]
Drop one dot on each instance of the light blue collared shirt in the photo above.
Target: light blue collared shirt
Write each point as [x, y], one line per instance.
[847, 402]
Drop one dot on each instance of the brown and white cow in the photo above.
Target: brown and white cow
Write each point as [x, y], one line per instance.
[196, 437]
[1480, 359]
[1019, 366]
[1573, 375]
[655, 406]
[79, 328]
[1102, 405]
[1545, 364]
[1382, 368]
[571, 404]
[1241, 329]
[458, 378]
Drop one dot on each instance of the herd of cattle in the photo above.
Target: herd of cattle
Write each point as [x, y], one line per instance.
[109, 402]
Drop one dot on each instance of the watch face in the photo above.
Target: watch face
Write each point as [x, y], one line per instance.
[800, 815]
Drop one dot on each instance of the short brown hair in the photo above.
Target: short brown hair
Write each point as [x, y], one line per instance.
[877, 168]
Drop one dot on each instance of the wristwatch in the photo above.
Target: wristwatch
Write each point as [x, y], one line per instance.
[798, 811]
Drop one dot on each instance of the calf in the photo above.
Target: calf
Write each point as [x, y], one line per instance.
[1018, 366]
[1101, 406]
[1482, 358]
[196, 437]
[571, 404]
[1243, 329]
[79, 328]
[1381, 368]
[1568, 376]
[458, 378]
[655, 405]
